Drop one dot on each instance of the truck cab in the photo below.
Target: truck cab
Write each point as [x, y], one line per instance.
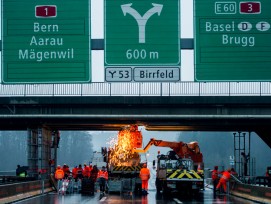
[178, 174]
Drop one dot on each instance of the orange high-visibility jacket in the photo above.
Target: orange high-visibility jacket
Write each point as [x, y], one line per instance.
[74, 172]
[79, 172]
[103, 174]
[226, 176]
[214, 174]
[86, 171]
[66, 170]
[59, 174]
[90, 169]
[144, 174]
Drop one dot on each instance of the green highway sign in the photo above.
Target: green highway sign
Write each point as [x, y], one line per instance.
[142, 33]
[232, 40]
[46, 41]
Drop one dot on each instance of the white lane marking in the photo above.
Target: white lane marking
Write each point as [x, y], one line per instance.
[103, 199]
[177, 200]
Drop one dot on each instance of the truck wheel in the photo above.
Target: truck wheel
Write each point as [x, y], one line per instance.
[138, 188]
[196, 192]
[165, 189]
[158, 184]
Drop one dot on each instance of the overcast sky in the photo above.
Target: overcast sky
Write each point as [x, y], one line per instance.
[97, 31]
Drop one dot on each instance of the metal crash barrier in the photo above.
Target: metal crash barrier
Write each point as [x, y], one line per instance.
[252, 192]
[263, 181]
[17, 191]
[12, 179]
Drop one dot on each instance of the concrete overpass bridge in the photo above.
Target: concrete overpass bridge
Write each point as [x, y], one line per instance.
[185, 106]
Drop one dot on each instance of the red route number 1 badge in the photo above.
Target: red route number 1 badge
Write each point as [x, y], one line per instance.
[46, 11]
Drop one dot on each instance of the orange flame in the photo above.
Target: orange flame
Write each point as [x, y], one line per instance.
[120, 152]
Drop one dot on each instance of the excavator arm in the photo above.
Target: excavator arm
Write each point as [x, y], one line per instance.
[147, 147]
[183, 150]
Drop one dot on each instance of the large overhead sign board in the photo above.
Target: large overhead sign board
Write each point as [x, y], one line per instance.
[232, 40]
[46, 41]
[144, 34]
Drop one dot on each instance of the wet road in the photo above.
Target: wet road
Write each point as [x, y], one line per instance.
[205, 197]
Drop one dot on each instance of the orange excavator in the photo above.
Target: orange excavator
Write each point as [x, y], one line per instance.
[181, 169]
[183, 150]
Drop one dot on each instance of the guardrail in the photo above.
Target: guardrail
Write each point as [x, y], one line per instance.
[259, 194]
[263, 181]
[139, 89]
[256, 180]
[253, 191]
[8, 173]
[17, 191]
[15, 179]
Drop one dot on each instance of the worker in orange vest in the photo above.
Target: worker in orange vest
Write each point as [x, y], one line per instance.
[86, 171]
[268, 176]
[94, 173]
[66, 170]
[215, 179]
[144, 176]
[90, 169]
[102, 178]
[74, 173]
[226, 175]
[79, 172]
[59, 174]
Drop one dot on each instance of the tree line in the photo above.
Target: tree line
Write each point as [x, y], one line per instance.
[75, 147]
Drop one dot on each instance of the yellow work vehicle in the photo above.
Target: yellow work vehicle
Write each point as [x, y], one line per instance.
[181, 169]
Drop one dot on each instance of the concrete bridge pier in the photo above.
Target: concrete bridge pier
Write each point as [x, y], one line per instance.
[42, 152]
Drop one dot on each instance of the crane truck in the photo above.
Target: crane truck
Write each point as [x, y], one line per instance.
[181, 169]
[124, 165]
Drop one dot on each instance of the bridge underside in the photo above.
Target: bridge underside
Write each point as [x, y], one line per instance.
[155, 113]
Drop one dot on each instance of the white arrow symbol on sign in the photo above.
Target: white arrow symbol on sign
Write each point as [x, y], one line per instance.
[141, 21]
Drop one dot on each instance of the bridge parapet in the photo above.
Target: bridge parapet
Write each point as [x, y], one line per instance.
[139, 89]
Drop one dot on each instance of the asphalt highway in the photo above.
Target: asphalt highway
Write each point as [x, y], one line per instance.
[205, 196]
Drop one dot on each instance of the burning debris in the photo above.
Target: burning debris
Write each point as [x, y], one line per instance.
[121, 150]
